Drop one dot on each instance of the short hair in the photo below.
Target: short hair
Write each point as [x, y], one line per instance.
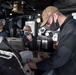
[26, 28]
[1, 25]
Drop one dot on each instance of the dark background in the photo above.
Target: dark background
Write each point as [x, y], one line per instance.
[31, 7]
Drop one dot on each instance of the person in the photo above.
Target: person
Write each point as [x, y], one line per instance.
[29, 41]
[30, 44]
[2, 31]
[63, 61]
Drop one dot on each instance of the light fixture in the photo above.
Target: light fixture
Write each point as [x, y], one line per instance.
[18, 7]
[39, 14]
[38, 20]
[10, 14]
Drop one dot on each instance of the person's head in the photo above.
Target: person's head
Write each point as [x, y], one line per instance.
[1, 26]
[52, 17]
[27, 30]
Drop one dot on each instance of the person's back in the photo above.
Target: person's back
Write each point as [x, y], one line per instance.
[63, 61]
[69, 68]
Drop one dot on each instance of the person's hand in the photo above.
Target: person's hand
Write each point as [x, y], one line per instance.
[31, 64]
[29, 37]
[26, 48]
[43, 55]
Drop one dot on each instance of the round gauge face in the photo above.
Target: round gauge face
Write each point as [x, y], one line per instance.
[55, 37]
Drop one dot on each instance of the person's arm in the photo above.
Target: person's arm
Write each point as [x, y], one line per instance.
[62, 55]
[33, 43]
[25, 42]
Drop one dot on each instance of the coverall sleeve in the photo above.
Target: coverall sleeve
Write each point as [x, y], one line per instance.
[62, 55]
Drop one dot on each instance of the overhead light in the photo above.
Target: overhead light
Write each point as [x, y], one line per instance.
[18, 7]
[38, 20]
[10, 14]
[39, 14]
